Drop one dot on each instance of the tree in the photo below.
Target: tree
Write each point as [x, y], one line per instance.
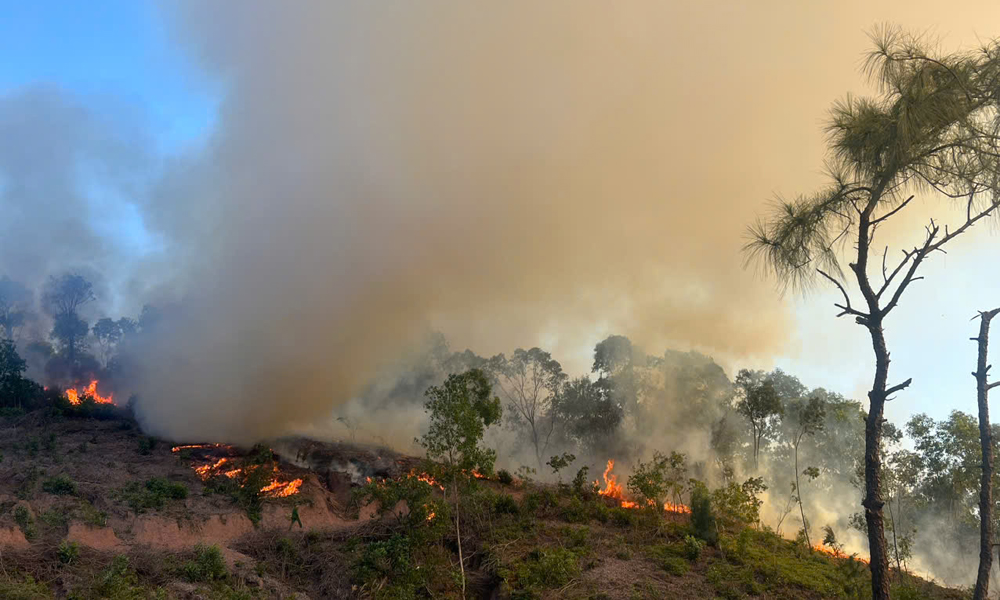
[15, 390]
[760, 404]
[983, 387]
[108, 333]
[71, 331]
[530, 380]
[460, 411]
[13, 299]
[807, 419]
[67, 293]
[590, 416]
[931, 128]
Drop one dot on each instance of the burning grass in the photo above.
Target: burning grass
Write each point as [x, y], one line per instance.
[614, 490]
[247, 472]
[75, 395]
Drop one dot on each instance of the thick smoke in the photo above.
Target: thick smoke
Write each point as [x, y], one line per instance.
[501, 174]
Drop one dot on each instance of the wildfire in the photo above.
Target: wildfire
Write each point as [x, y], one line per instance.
[679, 509]
[74, 395]
[195, 446]
[613, 489]
[426, 479]
[277, 488]
[837, 553]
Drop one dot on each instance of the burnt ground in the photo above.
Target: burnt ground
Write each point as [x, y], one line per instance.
[95, 509]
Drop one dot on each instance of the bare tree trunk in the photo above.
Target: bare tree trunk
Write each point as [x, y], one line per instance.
[798, 493]
[985, 438]
[895, 544]
[458, 534]
[873, 466]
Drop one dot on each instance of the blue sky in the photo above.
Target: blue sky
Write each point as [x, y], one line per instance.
[117, 50]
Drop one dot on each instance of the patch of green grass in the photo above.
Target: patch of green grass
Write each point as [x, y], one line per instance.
[54, 518]
[153, 494]
[547, 568]
[25, 588]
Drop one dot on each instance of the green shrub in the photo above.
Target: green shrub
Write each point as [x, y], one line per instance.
[154, 494]
[50, 443]
[119, 581]
[54, 518]
[389, 561]
[692, 547]
[505, 504]
[24, 520]
[623, 517]
[580, 481]
[167, 489]
[146, 445]
[702, 515]
[208, 565]
[60, 485]
[576, 511]
[68, 552]
[504, 476]
[11, 412]
[674, 565]
[577, 536]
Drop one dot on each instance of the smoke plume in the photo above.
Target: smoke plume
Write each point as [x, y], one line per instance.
[503, 174]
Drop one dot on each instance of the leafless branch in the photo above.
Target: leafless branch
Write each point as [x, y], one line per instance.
[846, 308]
[898, 388]
[893, 211]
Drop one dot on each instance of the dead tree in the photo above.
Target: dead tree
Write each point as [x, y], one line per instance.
[986, 439]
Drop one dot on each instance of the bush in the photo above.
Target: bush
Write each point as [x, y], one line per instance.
[68, 552]
[692, 547]
[504, 476]
[153, 494]
[674, 565]
[505, 504]
[60, 485]
[167, 489]
[389, 561]
[208, 565]
[24, 520]
[576, 511]
[622, 517]
[119, 581]
[702, 515]
[146, 445]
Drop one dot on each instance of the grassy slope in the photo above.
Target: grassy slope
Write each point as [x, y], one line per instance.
[519, 543]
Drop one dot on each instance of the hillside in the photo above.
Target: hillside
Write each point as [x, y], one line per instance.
[92, 508]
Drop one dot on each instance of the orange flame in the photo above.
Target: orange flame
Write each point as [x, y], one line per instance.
[837, 553]
[276, 489]
[179, 448]
[613, 489]
[679, 509]
[74, 395]
[425, 478]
